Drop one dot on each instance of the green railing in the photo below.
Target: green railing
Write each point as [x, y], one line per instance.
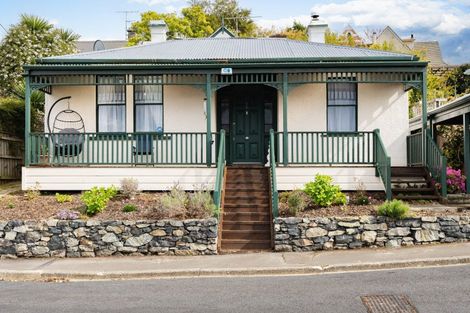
[414, 150]
[359, 148]
[436, 163]
[272, 174]
[382, 164]
[83, 149]
[328, 147]
[219, 179]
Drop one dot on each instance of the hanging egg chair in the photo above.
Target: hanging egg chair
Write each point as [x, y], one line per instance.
[67, 131]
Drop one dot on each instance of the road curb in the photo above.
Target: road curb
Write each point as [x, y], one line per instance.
[41, 275]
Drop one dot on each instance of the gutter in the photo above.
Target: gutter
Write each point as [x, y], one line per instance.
[272, 65]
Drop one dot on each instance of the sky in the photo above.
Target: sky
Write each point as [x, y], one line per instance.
[447, 21]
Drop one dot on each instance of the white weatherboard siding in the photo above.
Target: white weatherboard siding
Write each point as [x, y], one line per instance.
[153, 178]
[348, 178]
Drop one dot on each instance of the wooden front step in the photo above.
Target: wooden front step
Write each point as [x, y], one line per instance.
[417, 197]
[246, 235]
[246, 197]
[260, 186]
[412, 183]
[247, 210]
[245, 244]
[247, 225]
[246, 216]
[421, 190]
[234, 209]
[408, 171]
[246, 193]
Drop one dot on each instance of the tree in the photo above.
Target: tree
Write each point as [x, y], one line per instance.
[452, 146]
[296, 32]
[192, 23]
[32, 38]
[198, 21]
[333, 38]
[457, 81]
[230, 13]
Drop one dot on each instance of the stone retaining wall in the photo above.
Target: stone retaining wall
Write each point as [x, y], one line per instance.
[77, 238]
[307, 234]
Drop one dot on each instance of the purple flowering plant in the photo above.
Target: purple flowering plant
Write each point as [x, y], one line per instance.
[67, 215]
[455, 181]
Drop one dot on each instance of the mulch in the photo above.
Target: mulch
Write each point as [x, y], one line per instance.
[44, 206]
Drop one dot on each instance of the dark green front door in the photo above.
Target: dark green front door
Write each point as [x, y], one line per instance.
[247, 133]
[247, 113]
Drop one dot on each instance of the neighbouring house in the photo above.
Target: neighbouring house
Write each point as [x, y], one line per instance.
[456, 112]
[182, 111]
[431, 49]
[357, 39]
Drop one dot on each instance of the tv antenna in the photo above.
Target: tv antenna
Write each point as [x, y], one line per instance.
[236, 19]
[126, 20]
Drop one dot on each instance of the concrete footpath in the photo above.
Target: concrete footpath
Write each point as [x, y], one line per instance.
[265, 263]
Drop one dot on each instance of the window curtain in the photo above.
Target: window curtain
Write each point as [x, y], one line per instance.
[111, 101]
[148, 118]
[342, 107]
[148, 107]
[112, 118]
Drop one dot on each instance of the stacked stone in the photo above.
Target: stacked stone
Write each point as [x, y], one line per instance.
[321, 233]
[77, 238]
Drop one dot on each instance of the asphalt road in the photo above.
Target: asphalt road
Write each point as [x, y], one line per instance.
[438, 290]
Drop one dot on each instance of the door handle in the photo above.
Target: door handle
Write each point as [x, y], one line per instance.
[247, 138]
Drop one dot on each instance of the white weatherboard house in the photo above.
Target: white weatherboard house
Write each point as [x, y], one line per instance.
[181, 111]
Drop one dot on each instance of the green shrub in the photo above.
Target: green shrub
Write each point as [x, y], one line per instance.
[297, 201]
[323, 193]
[33, 192]
[362, 199]
[173, 203]
[96, 199]
[129, 208]
[63, 198]
[129, 187]
[395, 209]
[201, 204]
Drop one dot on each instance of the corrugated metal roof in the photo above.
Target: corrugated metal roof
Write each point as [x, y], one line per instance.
[87, 45]
[268, 49]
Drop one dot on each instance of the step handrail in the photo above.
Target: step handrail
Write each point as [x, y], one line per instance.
[272, 175]
[383, 166]
[436, 163]
[219, 178]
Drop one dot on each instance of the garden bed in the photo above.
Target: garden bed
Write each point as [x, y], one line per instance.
[416, 210]
[21, 206]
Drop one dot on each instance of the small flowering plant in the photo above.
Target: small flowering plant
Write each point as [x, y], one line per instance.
[67, 215]
[455, 181]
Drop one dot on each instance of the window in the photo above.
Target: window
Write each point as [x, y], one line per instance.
[342, 107]
[111, 104]
[148, 101]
